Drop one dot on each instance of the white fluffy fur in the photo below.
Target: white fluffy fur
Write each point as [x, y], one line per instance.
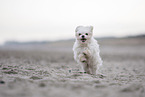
[86, 52]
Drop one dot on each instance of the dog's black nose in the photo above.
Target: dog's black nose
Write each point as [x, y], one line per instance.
[83, 36]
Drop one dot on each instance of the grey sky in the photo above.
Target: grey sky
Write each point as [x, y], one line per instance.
[26, 20]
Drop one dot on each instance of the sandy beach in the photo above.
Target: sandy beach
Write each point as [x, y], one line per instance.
[49, 70]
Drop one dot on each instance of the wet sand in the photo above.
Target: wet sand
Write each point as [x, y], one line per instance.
[49, 70]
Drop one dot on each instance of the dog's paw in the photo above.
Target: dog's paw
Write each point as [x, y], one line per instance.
[86, 53]
[83, 60]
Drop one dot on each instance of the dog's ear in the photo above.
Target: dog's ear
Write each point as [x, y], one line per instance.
[91, 28]
[77, 28]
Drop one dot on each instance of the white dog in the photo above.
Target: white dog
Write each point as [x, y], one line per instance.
[86, 49]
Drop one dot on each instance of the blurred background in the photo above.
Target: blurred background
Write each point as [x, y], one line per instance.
[50, 20]
[36, 39]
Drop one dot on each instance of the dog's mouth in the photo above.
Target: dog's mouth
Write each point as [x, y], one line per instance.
[83, 39]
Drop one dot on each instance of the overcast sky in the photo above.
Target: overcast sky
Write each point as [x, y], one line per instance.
[28, 20]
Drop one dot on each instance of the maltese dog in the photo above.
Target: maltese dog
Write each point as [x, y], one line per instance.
[86, 49]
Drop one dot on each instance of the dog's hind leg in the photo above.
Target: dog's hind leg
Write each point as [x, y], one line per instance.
[93, 70]
[86, 68]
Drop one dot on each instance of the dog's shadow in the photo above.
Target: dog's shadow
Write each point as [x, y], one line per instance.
[78, 73]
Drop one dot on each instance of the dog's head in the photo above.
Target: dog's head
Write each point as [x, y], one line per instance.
[84, 34]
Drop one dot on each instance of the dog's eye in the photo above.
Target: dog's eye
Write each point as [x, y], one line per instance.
[79, 34]
[86, 33]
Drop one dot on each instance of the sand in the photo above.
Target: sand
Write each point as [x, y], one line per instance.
[49, 70]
